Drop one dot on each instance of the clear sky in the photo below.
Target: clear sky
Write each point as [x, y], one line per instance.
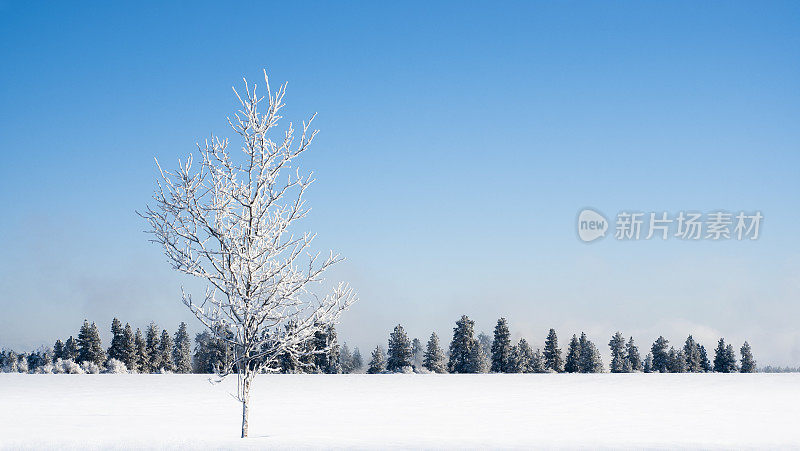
[458, 143]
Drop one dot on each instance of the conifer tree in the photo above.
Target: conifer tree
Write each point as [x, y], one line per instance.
[537, 362]
[552, 354]
[485, 342]
[417, 353]
[478, 360]
[705, 364]
[399, 350]
[58, 351]
[142, 358]
[730, 359]
[182, 350]
[660, 353]
[377, 363]
[71, 349]
[619, 358]
[721, 358]
[590, 356]
[634, 359]
[358, 362]
[748, 362]
[433, 360]
[325, 355]
[116, 350]
[693, 358]
[648, 363]
[573, 361]
[523, 358]
[345, 359]
[461, 346]
[130, 356]
[90, 349]
[677, 361]
[501, 348]
[165, 351]
[153, 359]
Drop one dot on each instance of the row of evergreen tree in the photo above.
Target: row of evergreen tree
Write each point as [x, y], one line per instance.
[158, 351]
[481, 354]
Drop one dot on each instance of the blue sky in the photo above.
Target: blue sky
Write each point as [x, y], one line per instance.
[458, 142]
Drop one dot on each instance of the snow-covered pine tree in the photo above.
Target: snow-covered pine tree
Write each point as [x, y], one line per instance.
[573, 361]
[377, 363]
[129, 355]
[153, 359]
[619, 357]
[231, 220]
[399, 350]
[660, 353]
[634, 359]
[537, 362]
[485, 341]
[90, 348]
[116, 350]
[434, 360]
[704, 362]
[478, 359]
[748, 362]
[71, 349]
[648, 363]
[590, 356]
[417, 353]
[358, 361]
[501, 348]
[182, 351]
[692, 352]
[461, 345]
[345, 359]
[552, 354]
[721, 358]
[730, 358]
[58, 350]
[523, 358]
[142, 357]
[326, 351]
[165, 352]
[677, 361]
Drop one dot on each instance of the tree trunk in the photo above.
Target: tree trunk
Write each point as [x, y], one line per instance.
[245, 405]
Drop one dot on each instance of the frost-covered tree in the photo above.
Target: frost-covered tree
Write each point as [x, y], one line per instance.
[58, 350]
[478, 360]
[704, 362]
[501, 348]
[552, 353]
[461, 346]
[231, 221]
[634, 359]
[619, 358]
[346, 359]
[647, 367]
[434, 360]
[399, 350]
[324, 351]
[211, 353]
[165, 351]
[182, 351]
[693, 358]
[358, 361]
[129, 354]
[537, 362]
[573, 361]
[377, 363]
[522, 358]
[590, 356]
[676, 361]
[748, 362]
[116, 350]
[660, 353]
[90, 348]
[724, 358]
[417, 353]
[142, 358]
[485, 341]
[71, 349]
[153, 359]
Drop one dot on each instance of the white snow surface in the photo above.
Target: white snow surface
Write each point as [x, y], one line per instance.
[168, 411]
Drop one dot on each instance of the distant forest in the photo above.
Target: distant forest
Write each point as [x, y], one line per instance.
[159, 351]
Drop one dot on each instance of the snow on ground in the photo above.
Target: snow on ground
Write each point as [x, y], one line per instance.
[405, 411]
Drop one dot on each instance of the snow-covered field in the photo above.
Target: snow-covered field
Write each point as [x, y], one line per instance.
[407, 411]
